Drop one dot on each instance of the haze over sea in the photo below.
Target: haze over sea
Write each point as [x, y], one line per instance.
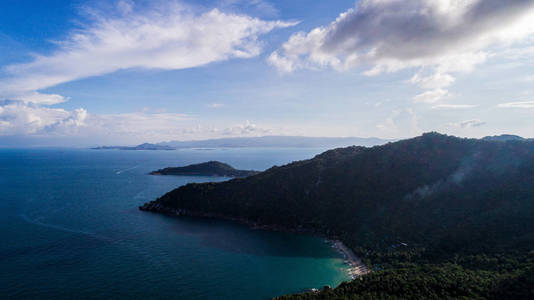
[71, 229]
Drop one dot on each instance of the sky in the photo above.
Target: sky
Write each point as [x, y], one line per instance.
[82, 73]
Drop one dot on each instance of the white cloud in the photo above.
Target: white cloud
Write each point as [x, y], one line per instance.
[445, 36]
[468, 123]
[453, 106]
[72, 122]
[432, 96]
[434, 81]
[524, 104]
[17, 118]
[283, 64]
[140, 127]
[400, 123]
[40, 98]
[394, 34]
[216, 105]
[137, 126]
[30, 120]
[172, 37]
[168, 37]
[246, 129]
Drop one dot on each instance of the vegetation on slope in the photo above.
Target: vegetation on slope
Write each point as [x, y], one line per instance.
[210, 168]
[434, 216]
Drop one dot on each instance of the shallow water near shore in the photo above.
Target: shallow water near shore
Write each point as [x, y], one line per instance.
[71, 229]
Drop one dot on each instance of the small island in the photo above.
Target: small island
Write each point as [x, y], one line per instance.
[210, 168]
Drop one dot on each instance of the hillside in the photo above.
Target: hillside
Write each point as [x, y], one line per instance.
[504, 138]
[455, 203]
[210, 168]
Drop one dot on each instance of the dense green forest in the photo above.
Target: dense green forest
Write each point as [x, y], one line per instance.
[434, 216]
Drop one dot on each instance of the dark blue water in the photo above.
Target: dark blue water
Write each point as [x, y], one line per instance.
[71, 229]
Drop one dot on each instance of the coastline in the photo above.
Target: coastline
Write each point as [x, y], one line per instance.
[356, 268]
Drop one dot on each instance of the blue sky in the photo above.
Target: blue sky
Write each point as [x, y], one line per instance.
[124, 72]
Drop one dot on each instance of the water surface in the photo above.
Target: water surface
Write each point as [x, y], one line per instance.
[71, 229]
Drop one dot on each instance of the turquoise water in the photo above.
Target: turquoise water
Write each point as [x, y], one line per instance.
[71, 229]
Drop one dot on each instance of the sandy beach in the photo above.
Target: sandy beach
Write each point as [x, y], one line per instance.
[357, 268]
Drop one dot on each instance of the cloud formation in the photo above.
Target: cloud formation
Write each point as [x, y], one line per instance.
[17, 118]
[453, 106]
[400, 123]
[246, 129]
[216, 105]
[445, 36]
[524, 104]
[170, 38]
[30, 120]
[156, 127]
[431, 96]
[468, 123]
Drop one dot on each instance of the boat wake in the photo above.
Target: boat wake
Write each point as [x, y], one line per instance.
[126, 170]
[36, 221]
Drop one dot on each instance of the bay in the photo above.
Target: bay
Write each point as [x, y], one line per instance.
[71, 229]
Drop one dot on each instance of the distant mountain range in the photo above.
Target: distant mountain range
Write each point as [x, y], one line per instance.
[280, 142]
[259, 142]
[145, 146]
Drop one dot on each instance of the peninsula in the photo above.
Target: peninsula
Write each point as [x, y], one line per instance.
[210, 168]
[433, 217]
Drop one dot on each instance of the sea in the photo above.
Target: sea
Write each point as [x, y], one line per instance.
[71, 229]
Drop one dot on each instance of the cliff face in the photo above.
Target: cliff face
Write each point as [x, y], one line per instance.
[425, 189]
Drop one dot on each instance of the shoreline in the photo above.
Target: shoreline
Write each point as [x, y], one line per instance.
[356, 268]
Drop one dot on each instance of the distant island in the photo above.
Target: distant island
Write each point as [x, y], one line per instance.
[433, 217]
[277, 141]
[145, 146]
[210, 168]
[257, 142]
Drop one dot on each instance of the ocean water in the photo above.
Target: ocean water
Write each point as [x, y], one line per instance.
[70, 228]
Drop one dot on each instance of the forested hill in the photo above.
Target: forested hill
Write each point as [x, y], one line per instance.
[210, 168]
[403, 191]
[445, 197]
